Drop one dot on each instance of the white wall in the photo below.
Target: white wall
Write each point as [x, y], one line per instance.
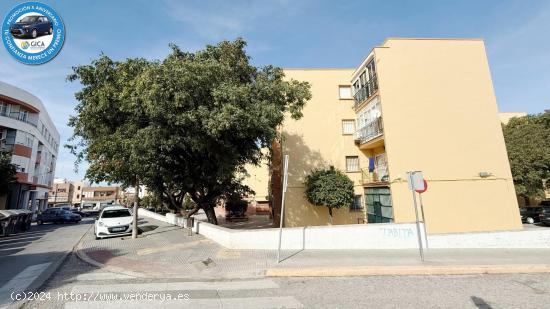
[357, 236]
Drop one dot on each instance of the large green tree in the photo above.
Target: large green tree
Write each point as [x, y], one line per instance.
[528, 144]
[330, 188]
[7, 172]
[184, 125]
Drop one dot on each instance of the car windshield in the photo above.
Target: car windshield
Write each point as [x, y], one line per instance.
[116, 213]
[29, 19]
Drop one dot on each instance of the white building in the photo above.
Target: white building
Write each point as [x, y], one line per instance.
[28, 133]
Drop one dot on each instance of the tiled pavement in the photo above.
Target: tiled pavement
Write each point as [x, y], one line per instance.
[166, 251]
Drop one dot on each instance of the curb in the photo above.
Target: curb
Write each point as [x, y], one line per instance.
[406, 270]
[78, 250]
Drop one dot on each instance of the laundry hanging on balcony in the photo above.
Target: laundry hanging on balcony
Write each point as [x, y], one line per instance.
[371, 164]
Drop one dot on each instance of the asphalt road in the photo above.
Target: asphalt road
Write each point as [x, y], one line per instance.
[27, 258]
[79, 285]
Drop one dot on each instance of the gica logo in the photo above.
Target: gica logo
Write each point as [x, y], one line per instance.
[33, 33]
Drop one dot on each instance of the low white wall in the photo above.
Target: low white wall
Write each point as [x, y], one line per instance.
[531, 239]
[357, 236]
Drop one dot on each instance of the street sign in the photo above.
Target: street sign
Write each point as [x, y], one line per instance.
[425, 187]
[415, 180]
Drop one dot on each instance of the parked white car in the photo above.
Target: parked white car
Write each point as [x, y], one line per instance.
[113, 221]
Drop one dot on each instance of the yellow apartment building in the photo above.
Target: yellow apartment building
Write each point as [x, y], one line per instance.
[412, 105]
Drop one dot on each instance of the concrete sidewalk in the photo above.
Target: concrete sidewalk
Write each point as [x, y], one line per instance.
[166, 251]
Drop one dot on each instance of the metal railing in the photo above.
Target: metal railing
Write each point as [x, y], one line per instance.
[367, 91]
[17, 116]
[369, 131]
[379, 175]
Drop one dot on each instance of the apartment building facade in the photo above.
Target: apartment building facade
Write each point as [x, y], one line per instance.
[101, 195]
[27, 132]
[412, 105]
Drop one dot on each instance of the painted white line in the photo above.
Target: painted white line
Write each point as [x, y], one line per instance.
[204, 303]
[176, 286]
[102, 276]
[21, 282]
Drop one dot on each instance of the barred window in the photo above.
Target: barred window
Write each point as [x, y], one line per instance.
[352, 164]
[348, 126]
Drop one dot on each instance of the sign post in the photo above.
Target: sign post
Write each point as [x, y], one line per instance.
[422, 211]
[285, 184]
[416, 181]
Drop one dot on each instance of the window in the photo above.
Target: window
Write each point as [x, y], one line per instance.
[348, 126]
[357, 203]
[345, 92]
[23, 115]
[379, 205]
[3, 108]
[352, 164]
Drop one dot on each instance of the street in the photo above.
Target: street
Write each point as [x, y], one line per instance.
[27, 258]
[78, 284]
[471, 291]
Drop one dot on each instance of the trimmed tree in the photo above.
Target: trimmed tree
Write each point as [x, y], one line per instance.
[528, 145]
[185, 125]
[330, 188]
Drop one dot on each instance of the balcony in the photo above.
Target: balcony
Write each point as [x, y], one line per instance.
[369, 132]
[21, 117]
[367, 91]
[379, 176]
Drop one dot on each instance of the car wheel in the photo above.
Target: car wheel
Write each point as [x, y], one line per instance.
[39, 222]
[34, 33]
[530, 220]
[51, 30]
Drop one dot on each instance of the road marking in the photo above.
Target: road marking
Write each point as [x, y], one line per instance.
[21, 282]
[102, 276]
[176, 286]
[205, 303]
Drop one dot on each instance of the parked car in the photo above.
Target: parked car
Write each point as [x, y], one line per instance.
[113, 221]
[530, 214]
[72, 209]
[545, 216]
[31, 26]
[57, 215]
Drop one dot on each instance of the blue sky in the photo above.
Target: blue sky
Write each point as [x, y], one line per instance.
[288, 33]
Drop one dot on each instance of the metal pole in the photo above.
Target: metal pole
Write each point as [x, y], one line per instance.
[417, 223]
[135, 219]
[285, 182]
[423, 220]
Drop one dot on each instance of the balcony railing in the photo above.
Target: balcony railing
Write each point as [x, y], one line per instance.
[370, 131]
[17, 116]
[378, 175]
[367, 91]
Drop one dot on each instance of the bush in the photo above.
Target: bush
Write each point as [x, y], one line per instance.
[329, 187]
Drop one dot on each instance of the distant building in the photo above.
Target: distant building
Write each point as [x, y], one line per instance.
[101, 195]
[506, 116]
[27, 132]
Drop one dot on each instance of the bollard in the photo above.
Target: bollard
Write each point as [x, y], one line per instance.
[190, 222]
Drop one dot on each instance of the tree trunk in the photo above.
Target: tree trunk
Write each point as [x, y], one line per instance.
[330, 215]
[211, 214]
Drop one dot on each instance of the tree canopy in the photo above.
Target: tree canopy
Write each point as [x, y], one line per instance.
[7, 172]
[329, 187]
[528, 144]
[184, 125]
